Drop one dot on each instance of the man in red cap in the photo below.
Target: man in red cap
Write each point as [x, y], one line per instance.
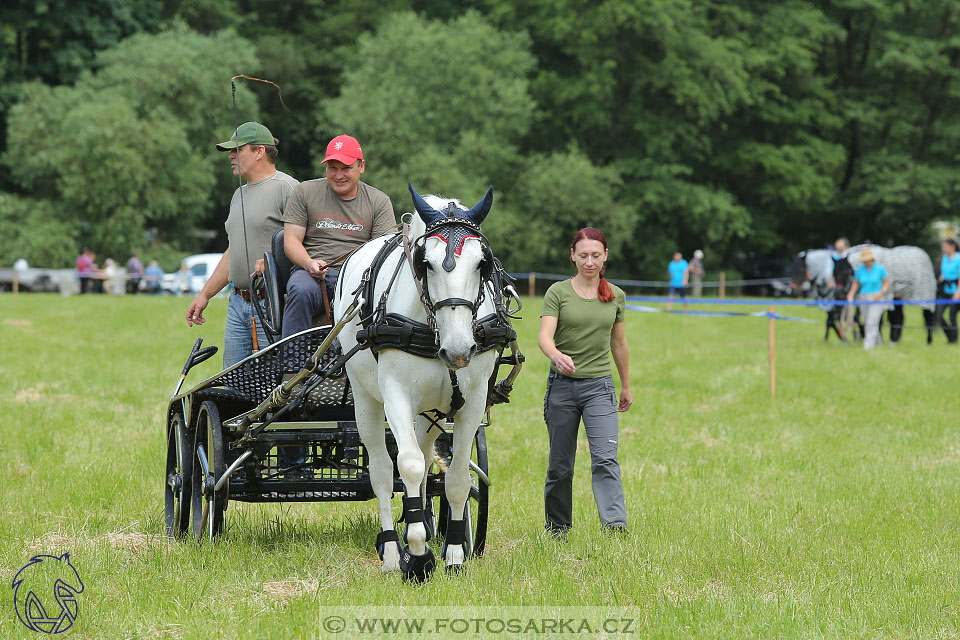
[324, 219]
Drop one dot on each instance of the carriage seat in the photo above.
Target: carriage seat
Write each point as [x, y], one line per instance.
[276, 272]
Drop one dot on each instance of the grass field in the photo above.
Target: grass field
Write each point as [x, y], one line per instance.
[830, 512]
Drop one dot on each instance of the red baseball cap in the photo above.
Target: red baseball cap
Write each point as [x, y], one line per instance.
[344, 148]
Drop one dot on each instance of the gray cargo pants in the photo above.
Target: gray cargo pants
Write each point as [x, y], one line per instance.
[566, 401]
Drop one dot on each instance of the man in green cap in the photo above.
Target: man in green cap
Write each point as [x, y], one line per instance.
[256, 212]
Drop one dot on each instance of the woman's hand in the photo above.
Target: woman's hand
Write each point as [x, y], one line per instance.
[564, 363]
[877, 297]
[626, 400]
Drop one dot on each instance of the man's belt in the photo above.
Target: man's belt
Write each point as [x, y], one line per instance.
[245, 293]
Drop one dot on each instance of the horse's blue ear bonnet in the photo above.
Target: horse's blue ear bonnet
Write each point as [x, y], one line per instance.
[454, 226]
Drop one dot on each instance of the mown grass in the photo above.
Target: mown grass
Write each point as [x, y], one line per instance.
[829, 512]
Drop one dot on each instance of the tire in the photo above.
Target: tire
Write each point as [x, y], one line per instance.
[208, 505]
[179, 470]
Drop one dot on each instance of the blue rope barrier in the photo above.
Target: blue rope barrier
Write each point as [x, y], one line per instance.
[721, 314]
[791, 303]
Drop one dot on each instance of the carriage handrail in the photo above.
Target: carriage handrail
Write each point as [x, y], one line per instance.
[197, 355]
[222, 480]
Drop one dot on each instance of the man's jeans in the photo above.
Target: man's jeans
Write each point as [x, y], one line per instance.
[237, 338]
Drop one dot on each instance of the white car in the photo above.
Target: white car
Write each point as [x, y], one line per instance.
[199, 269]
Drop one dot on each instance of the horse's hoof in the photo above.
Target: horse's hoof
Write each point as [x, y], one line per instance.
[417, 568]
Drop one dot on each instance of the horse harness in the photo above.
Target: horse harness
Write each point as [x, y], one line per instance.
[381, 330]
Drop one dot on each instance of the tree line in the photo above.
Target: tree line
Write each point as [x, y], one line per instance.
[740, 127]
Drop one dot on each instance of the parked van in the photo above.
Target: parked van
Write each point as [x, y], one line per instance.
[199, 269]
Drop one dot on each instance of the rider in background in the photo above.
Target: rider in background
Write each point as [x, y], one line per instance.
[581, 324]
[949, 275]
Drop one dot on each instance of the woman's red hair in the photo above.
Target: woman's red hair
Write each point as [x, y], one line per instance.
[604, 292]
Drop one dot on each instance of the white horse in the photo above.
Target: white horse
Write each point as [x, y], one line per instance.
[402, 385]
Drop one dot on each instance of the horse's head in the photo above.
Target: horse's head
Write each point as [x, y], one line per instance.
[799, 274]
[842, 272]
[451, 259]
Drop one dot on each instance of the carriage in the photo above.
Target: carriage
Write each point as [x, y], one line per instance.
[226, 436]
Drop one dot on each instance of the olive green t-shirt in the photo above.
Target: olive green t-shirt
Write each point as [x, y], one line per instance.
[261, 209]
[335, 226]
[583, 327]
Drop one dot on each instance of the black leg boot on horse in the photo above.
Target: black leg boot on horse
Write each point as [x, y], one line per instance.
[414, 567]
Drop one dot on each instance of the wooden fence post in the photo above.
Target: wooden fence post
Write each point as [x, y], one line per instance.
[532, 284]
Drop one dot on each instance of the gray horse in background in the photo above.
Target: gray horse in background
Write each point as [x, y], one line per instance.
[911, 278]
[829, 281]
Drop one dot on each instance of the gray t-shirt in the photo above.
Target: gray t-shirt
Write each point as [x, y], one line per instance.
[263, 204]
[334, 226]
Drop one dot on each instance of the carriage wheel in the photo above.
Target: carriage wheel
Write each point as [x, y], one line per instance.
[208, 465]
[179, 469]
[477, 504]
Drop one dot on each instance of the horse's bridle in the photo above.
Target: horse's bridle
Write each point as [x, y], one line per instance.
[452, 231]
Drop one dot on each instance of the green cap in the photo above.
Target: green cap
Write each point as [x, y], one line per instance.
[247, 133]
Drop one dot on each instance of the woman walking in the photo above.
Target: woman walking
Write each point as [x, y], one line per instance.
[949, 274]
[872, 282]
[581, 325]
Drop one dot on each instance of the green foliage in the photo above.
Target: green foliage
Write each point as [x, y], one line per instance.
[441, 104]
[38, 231]
[741, 127]
[130, 148]
[556, 195]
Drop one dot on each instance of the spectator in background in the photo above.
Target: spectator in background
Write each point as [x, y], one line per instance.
[113, 278]
[696, 273]
[183, 279]
[97, 277]
[679, 272]
[85, 269]
[151, 277]
[134, 273]
[872, 282]
[948, 287]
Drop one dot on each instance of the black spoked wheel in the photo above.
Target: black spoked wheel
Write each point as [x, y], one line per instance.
[179, 469]
[208, 465]
[478, 503]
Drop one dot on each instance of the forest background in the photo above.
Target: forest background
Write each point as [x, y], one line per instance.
[746, 128]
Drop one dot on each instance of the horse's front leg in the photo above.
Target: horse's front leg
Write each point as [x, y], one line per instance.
[427, 437]
[369, 414]
[416, 559]
[457, 484]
